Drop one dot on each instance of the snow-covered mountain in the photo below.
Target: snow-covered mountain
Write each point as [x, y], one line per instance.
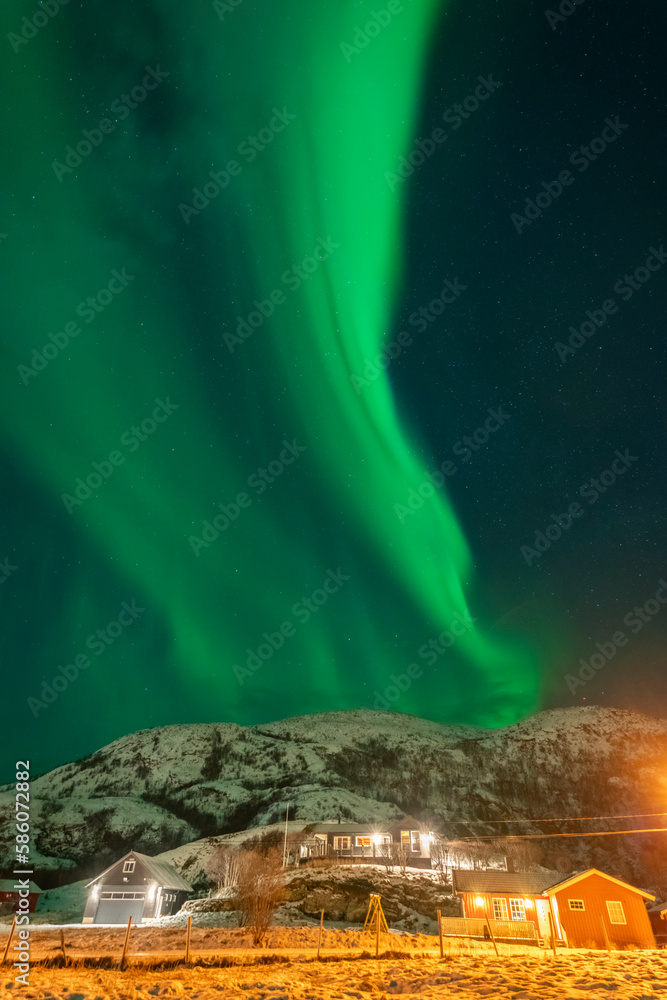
[159, 788]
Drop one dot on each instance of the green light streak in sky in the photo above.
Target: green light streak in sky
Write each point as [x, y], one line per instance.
[322, 176]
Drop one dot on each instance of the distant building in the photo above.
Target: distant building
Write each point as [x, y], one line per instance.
[9, 896]
[657, 914]
[137, 886]
[589, 909]
[407, 840]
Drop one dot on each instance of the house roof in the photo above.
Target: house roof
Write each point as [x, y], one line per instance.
[529, 883]
[161, 871]
[579, 876]
[345, 829]
[10, 885]
[492, 880]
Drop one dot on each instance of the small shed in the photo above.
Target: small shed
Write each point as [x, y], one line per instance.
[9, 895]
[657, 914]
[136, 886]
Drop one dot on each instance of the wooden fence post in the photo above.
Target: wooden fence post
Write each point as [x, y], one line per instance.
[319, 939]
[377, 935]
[188, 935]
[607, 942]
[552, 928]
[9, 941]
[442, 953]
[488, 924]
[125, 943]
[62, 945]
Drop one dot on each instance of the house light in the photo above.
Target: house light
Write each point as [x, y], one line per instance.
[528, 903]
[96, 890]
[479, 901]
[151, 891]
[377, 839]
[427, 838]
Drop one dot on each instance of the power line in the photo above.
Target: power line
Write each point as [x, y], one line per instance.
[548, 836]
[562, 819]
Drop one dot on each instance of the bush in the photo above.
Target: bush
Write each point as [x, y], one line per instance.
[259, 890]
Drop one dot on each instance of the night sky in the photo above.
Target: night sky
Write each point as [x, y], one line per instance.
[332, 363]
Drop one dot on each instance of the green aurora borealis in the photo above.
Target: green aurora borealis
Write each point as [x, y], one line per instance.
[159, 340]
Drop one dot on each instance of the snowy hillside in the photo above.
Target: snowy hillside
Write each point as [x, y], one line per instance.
[157, 789]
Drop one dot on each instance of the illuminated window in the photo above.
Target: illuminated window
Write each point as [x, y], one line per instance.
[517, 909]
[363, 841]
[129, 865]
[576, 904]
[500, 909]
[405, 837]
[341, 843]
[615, 911]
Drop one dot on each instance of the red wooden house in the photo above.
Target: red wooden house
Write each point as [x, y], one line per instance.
[9, 896]
[589, 909]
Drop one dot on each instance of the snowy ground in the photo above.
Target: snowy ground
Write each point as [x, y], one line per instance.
[578, 975]
[288, 969]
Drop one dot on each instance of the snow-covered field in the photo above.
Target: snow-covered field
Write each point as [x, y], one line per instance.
[293, 973]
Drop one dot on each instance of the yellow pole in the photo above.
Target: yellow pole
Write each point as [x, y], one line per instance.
[125, 943]
[488, 924]
[188, 934]
[9, 940]
[319, 939]
[552, 928]
[442, 953]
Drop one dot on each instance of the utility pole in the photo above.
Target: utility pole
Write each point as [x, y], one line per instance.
[285, 842]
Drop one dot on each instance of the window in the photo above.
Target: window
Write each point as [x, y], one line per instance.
[517, 909]
[341, 843]
[576, 904]
[500, 909]
[129, 865]
[615, 911]
[415, 837]
[405, 837]
[363, 841]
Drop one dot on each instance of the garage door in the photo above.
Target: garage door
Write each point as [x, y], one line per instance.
[118, 907]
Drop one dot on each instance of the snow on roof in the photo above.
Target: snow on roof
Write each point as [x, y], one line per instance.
[524, 883]
[161, 871]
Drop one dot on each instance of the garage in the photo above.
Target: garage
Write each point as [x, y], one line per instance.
[136, 886]
[118, 907]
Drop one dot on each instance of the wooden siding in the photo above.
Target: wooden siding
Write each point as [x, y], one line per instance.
[587, 927]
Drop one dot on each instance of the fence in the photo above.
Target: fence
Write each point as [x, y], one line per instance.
[524, 931]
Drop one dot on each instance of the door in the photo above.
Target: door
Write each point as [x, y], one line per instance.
[542, 908]
[118, 910]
